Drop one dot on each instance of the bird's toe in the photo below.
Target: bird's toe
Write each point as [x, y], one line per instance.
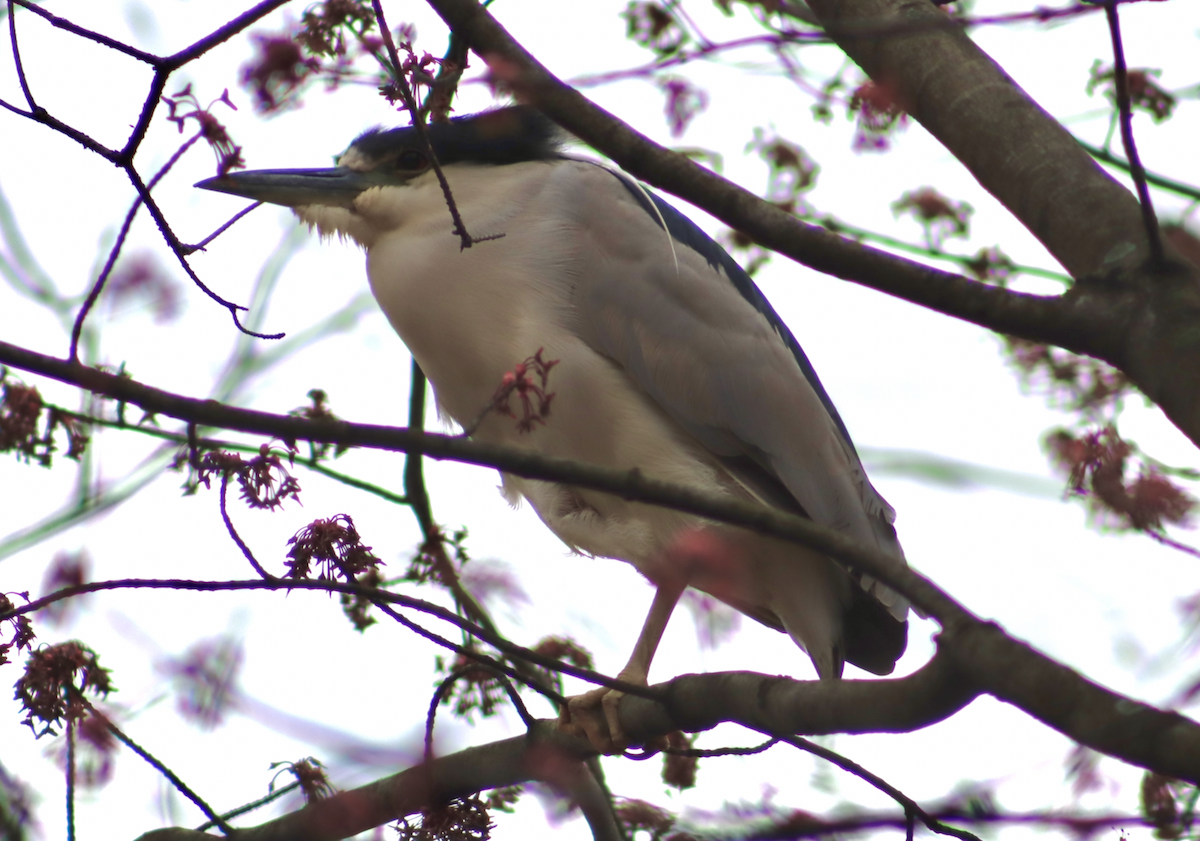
[593, 716]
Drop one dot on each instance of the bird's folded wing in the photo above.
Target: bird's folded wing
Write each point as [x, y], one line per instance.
[722, 365]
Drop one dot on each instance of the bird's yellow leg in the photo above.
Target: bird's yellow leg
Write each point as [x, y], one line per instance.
[593, 715]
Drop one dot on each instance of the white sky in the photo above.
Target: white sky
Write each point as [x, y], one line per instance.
[902, 377]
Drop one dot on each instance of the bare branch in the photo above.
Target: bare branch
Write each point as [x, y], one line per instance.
[630, 485]
[115, 251]
[381, 599]
[20, 65]
[202, 243]
[158, 766]
[219, 36]
[237, 538]
[911, 808]
[75, 29]
[418, 121]
[1149, 220]
[70, 770]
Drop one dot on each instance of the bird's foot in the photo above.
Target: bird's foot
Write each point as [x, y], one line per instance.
[593, 716]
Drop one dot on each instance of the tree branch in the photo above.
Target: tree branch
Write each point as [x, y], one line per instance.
[764, 703]
[1149, 219]
[991, 660]
[1018, 152]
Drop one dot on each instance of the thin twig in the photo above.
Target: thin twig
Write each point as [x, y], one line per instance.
[965, 260]
[115, 251]
[707, 51]
[12, 34]
[190, 249]
[76, 29]
[418, 121]
[98, 286]
[1174, 544]
[252, 805]
[179, 784]
[193, 443]
[178, 249]
[154, 95]
[222, 34]
[891, 29]
[124, 158]
[435, 702]
[414, 477]
[699, 753]
[241, 544]
[444, 687]
[910, 806]
[417, 497]
[1149, 219]
[484, 660]
[164, 67]
[382, 599]
[441, 91]
[1076, 826]
[198, 443]
[1177, 187]
[70, 765]
[9, 106]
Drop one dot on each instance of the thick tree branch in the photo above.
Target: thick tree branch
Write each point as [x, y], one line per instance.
[1066, 701]
[773, 705]
[779, 706]
[1017, 151]
[1143, 311]
[695, 702]
[992, 661]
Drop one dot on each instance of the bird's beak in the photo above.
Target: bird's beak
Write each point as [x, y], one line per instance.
[338, 186]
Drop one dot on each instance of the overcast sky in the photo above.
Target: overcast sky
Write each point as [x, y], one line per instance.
[903, 379]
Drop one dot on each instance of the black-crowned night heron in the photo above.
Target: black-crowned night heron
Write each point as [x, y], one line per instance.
[670, 360]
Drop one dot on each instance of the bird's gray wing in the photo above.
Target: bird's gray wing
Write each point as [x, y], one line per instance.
[689, 326]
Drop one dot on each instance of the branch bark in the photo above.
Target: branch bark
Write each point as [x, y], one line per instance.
[1017, 152]
[1141, 314]
[772, 705]
[695, 702]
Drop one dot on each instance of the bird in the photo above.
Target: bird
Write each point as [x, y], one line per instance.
[638, 342]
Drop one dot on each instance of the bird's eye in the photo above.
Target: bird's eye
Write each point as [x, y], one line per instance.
[411, 160]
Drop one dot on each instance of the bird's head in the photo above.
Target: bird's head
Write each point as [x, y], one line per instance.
[364, 194]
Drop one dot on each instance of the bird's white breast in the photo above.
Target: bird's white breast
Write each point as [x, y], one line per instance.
[469, 316]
